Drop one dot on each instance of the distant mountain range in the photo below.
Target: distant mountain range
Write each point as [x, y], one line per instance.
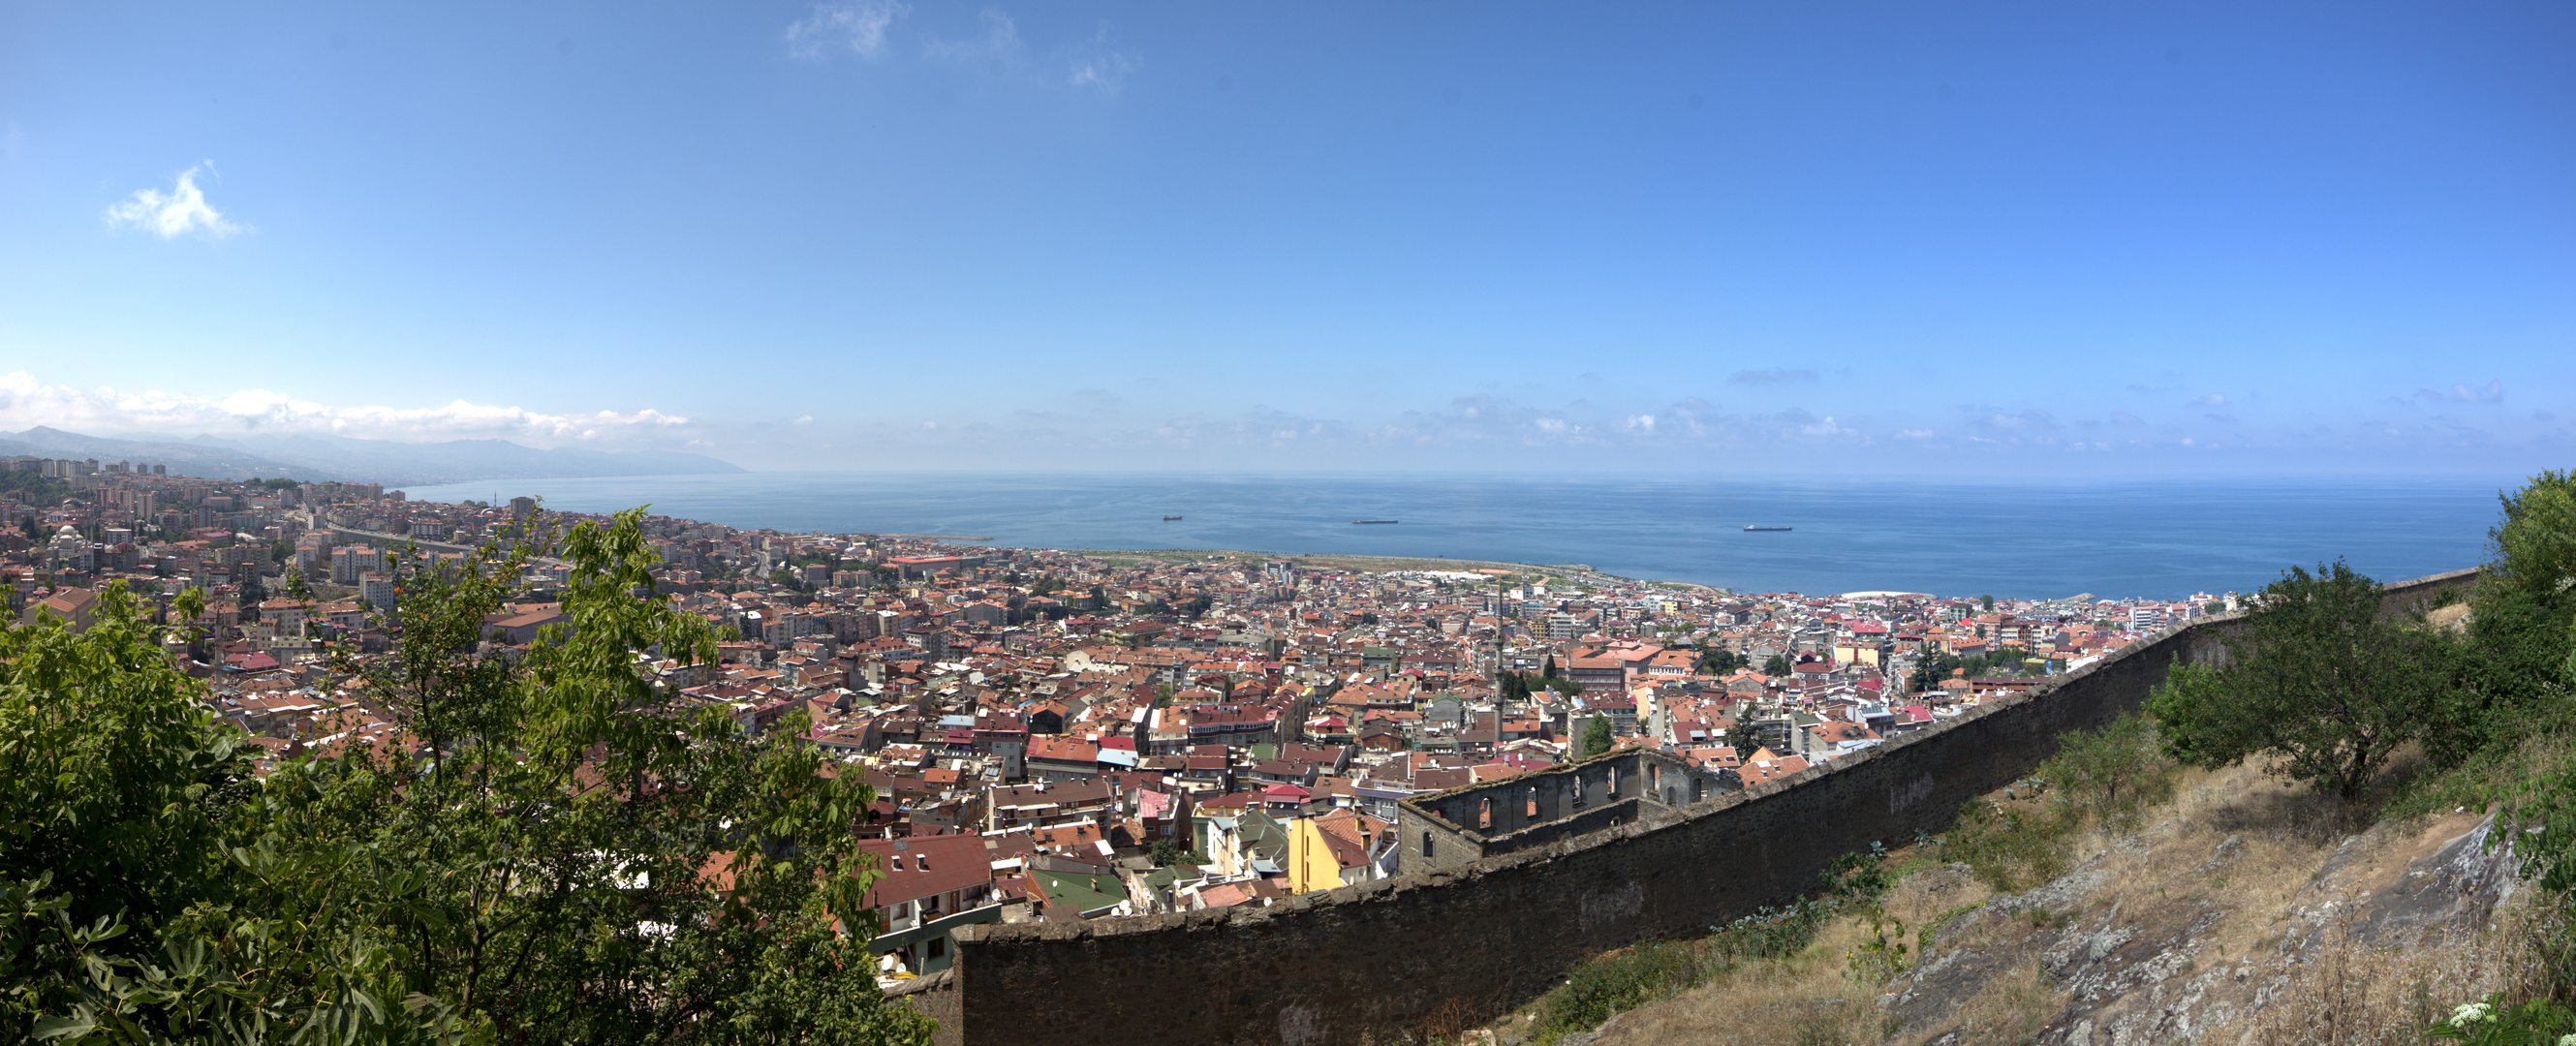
[357, 460]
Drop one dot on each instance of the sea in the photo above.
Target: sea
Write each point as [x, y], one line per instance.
[2151, 539]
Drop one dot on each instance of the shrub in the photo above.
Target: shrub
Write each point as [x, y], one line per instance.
[2010, 848]
[2112, 775]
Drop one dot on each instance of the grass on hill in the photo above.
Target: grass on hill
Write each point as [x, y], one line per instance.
[1821, 982]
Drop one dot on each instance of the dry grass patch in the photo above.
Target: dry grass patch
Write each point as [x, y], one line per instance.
[2013, 1008]
[2347, 991]
[2217, 875]
[2215, 901]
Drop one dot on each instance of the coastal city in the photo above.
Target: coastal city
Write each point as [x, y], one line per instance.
[1062, 735]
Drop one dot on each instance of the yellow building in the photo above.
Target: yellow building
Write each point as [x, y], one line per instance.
[1311, 865]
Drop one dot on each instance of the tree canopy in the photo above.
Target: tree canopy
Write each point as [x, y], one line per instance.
[2314, 679]
[553, 847]
[1596, 737]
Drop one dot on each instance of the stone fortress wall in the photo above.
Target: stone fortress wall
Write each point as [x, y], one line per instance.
[1373, 963]
[1469, 823]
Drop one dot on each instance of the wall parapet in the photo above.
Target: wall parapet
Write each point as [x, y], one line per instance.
[1373, 962]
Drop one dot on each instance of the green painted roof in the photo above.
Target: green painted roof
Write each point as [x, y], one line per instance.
[1086, 893]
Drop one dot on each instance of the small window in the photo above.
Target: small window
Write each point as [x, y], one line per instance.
[1426, 846]
[1484, 813]
[938, 947]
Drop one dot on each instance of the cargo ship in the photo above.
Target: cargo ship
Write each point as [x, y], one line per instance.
[1169, 519]
[1370, 522]
[1749, 528]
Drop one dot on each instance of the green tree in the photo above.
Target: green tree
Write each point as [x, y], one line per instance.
[137, 880]
[616, 863]
[37, 489]
[570, 852]
[1932, 671]
[1776, 665]
[1745, 738]
[1596, 737]
[2314, 680]
[2114, 773]
[2521, 625]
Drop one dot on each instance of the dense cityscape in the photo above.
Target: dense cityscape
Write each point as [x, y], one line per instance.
[1059, 735]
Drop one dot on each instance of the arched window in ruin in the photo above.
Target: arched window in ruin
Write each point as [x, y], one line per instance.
[1484, 813]
[1426, 846]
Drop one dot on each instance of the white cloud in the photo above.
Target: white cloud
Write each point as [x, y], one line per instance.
[1001, 41]
[2491, 392]
[2215, 399]
[176, 213]
[26, 402]
[861, 27]
[1101, 66]
[1103, 73]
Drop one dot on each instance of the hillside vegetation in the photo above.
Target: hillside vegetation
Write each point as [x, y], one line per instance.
[553, 848]
[2303, 844]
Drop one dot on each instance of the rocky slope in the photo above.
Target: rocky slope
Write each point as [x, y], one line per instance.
[2241, 918]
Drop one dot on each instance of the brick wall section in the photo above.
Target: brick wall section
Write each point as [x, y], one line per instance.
[1373, 963]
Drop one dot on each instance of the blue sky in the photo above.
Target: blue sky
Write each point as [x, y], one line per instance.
[2052, 239]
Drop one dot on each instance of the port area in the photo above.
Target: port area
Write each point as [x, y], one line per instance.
[1381, 564]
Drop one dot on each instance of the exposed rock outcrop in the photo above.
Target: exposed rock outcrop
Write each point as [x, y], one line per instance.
[2143, 958]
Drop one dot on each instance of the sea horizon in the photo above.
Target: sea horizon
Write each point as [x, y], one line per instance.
[2129, 537]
